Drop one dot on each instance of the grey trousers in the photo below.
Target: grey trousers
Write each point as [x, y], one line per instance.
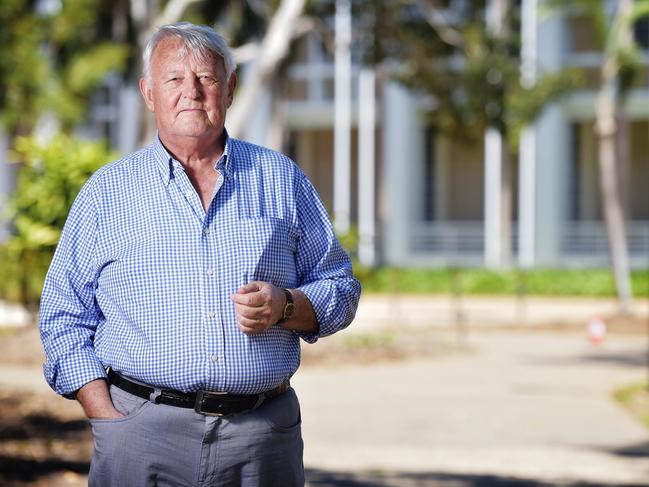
[159, 445]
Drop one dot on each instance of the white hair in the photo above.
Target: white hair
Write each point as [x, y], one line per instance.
[199, 40]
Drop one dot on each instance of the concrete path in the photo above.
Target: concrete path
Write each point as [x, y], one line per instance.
[514, 408]
[380, 310]
[530, 408]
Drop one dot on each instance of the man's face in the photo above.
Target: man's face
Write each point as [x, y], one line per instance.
[189, 96]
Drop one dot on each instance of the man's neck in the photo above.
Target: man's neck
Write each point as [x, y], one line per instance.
[194, 151]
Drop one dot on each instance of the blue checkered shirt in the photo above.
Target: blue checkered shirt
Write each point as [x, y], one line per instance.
[142, 276]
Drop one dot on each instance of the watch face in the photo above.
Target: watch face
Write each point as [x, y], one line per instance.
[290, 305]
[288, 311]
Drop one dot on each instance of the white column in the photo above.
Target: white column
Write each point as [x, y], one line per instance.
[366, 167]
[527, 198]
[527, 152]
[552, 152]
[402, 135]
[130, 108]
[342, 118]
[493, 144]
[492, 201]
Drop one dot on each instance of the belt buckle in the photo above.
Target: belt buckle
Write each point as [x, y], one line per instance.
[200, 394]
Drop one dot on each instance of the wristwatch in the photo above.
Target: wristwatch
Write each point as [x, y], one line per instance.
[290, 306]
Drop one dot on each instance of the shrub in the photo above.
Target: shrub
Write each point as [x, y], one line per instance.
[49, 178]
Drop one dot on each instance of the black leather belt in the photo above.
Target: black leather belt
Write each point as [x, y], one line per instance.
[204, 402]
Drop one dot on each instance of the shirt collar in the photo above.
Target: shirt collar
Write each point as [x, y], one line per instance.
[166, 163]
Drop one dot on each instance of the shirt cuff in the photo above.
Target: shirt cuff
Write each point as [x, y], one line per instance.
[69, 375]
[320, 298]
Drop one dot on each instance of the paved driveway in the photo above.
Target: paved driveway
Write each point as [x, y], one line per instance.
[515, 409]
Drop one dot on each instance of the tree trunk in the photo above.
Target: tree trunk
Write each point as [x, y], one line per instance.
[606, 125]
[275, 133]
[623, 154]
[273, 49]
[613, 213]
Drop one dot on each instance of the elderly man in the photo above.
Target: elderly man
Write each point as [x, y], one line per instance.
[185, 277]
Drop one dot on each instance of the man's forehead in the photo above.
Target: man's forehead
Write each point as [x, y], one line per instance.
[172, 53]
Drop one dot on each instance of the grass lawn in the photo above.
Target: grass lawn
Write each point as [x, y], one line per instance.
[635, 398]
[541, 282]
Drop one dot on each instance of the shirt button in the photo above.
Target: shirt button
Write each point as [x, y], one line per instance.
[211, 314]
[210, 272]
[206, 231]
[214, 358]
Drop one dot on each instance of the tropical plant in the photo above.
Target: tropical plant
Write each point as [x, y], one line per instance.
[50, 178]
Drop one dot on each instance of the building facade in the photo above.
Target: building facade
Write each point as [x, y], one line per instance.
[431, 193]
[419, 198]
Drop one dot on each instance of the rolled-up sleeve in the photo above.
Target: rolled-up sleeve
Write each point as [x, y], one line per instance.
[68, 312]
[324, 268]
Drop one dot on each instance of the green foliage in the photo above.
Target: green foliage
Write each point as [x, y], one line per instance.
[349, 241]
[472, 75]
[539, 282]
[23, 69]
[52, 62]
[85, 72]
[50, 177]
[524, 104]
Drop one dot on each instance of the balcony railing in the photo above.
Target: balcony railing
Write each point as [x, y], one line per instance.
[448, 238]
[589, 237]
[581, 243]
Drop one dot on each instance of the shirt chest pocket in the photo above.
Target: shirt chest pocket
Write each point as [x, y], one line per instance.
[267, 251]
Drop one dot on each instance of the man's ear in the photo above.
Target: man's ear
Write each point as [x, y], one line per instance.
[147, 94]
[232, 85]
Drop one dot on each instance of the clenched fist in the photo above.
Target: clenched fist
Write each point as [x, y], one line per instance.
[258, 306]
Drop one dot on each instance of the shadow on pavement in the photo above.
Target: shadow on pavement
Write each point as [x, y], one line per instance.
[18, 469]
[639, 450]
[627, 358]
[42, 426]
[36, 442]
[631, 358]
[324, 478]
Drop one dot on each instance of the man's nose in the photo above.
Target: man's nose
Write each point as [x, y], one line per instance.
[191, 87]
